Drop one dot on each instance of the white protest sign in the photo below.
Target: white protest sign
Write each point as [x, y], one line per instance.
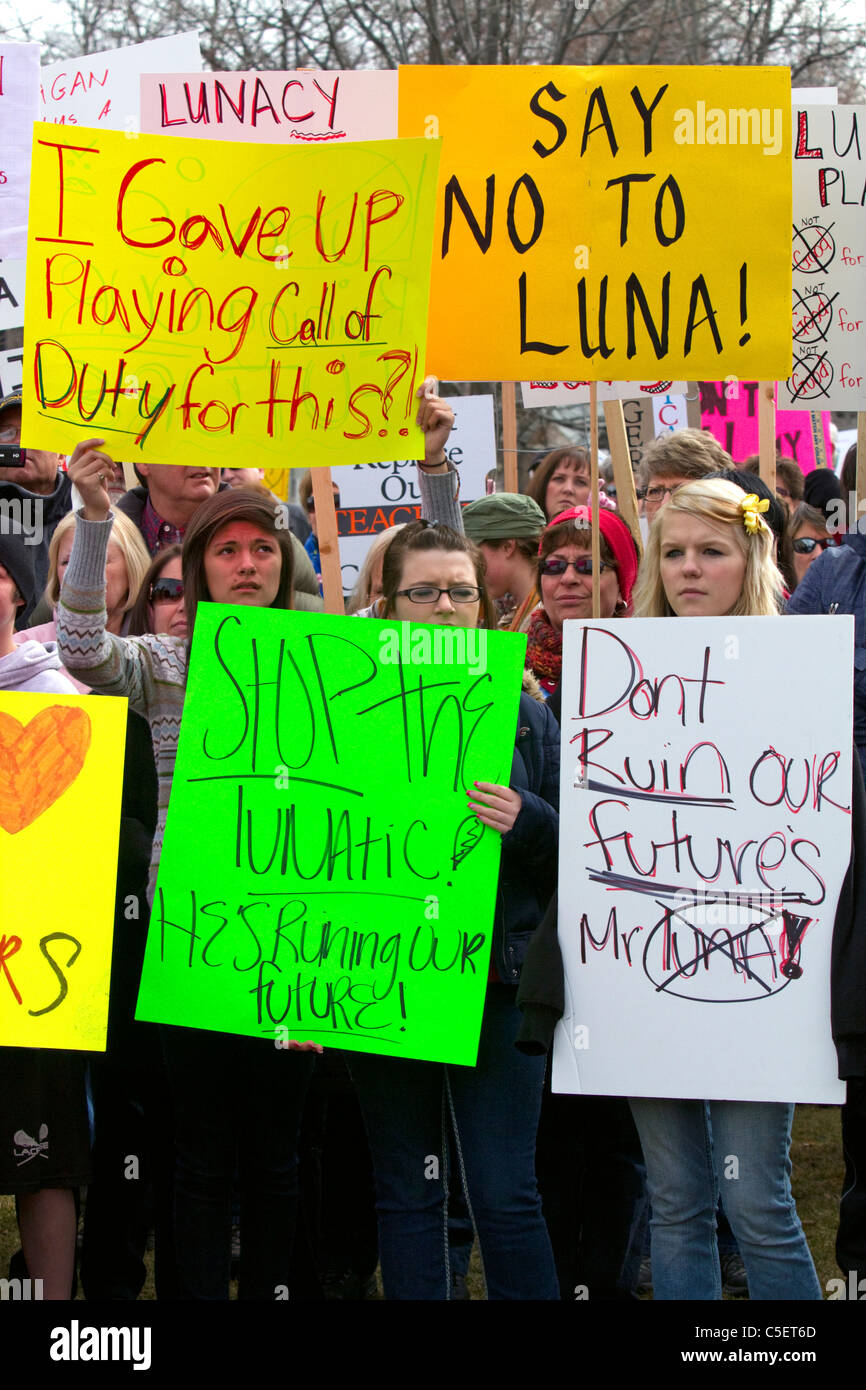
[705, 833]
[19, 108]
[670, 413]
[298, 106]
[374, 496]
[828, 260]
[12, 280]
[11, 369]
[102, 88]
[537, 393]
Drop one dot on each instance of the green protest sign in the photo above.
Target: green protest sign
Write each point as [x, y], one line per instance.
[321, 876]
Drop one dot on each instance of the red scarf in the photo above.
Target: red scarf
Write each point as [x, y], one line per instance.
[544, 650]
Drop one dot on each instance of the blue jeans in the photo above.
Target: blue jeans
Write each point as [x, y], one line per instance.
[693, 1149]
[494, 1108]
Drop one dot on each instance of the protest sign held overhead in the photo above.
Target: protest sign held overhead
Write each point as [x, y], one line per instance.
[179, 306]
[587, 219]
[19, 102]
[540, 393]
[271, 106]
[341, 893]
[729, 410]
[102, 89]
[61, 768]
[828, 261]
[701, 856]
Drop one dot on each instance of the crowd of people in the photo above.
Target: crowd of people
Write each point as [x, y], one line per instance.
[302, 1170]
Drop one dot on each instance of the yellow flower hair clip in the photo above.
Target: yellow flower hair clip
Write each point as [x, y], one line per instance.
[752, 505]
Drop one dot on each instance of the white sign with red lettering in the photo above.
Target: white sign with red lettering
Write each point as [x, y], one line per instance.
[537, 393]
[19, 108]
[828, 260]
[102, 89]
[702, 853]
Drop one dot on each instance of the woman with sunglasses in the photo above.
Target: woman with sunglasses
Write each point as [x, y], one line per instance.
[810, 537]
[433, 574]
[565, 582]
[235, 1097]
[159, 605]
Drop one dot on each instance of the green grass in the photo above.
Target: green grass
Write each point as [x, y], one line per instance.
[817, 1158]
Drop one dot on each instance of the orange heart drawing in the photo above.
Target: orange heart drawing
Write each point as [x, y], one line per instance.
[39, 761]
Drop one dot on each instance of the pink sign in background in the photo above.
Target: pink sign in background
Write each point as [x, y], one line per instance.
[729, 410]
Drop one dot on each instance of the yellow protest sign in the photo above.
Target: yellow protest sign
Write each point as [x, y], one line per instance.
[61, 772]
[608, 223]
[200, 303]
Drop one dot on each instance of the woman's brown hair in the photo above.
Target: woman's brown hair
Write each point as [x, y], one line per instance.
[537, 488]
[235, 504]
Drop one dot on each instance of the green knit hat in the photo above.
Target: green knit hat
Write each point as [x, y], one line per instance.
[503, 516]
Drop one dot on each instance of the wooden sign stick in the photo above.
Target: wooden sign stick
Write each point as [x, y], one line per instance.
[509, 436]
[329, 551]
[767, 433]
[623, 474]
[861, 469]
[593, 497]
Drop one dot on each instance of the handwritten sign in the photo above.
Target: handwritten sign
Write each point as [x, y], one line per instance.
[197, 299]
[541, 393]
[317, 107]
[374, 496]
[587, 219]
[101, 89]
[61, 768]
[729, 410]
[342, 893]
[702, 855]
[19, 98]
[828, 260]
[12, 282]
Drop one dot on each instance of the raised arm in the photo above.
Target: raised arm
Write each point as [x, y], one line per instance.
[116, 665]
[438, 482]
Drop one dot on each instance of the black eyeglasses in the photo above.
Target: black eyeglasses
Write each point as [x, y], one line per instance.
[556, 566]
[428, 593]
[166, 590]
[310, 503]
[805, 545]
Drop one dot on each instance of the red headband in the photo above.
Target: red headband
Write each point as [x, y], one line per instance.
[618, 537]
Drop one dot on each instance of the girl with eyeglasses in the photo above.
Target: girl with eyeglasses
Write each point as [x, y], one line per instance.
[433, 574]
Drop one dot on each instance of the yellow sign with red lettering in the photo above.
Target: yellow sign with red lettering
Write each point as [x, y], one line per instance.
[186, 300]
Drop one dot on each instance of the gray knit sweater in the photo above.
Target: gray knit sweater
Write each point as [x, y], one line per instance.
[150, 670]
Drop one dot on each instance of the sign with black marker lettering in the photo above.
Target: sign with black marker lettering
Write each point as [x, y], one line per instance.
[705, 834]
[321, 877]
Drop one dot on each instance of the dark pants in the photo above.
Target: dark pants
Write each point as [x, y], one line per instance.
[493, 1107]
[851, 1239]
[238, 1104]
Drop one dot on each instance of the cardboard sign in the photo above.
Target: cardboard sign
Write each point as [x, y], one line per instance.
[539, 393]
[12, 282]
[374, 496]
[828, 260]
[19, 102]
[341, 893]
[271, 106]
[585, 222]
[101, 89]
[258, 299]
[61, 769]
[702, 854]
[729, 410]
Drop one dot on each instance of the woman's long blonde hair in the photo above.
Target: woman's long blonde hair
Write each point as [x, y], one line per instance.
[718, 503]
